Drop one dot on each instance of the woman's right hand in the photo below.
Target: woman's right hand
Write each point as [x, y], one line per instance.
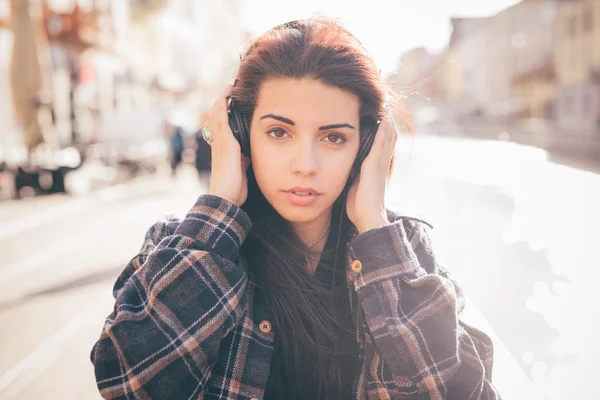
[228, 178]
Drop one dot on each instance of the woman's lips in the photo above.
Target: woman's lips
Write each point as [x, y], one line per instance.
[302, 199]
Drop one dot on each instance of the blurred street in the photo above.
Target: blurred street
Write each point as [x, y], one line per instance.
[101, 109]
[59, 259]
[520, 233]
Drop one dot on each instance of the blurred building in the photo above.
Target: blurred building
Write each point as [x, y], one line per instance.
[531, 76]
[447, 87]
[413, 68]
[451, 80]
[110, 62]
[500, 58]
[498, 73]
[87, 39]
[26, 71]
[188, 49]
[110, 54]
[470, 44]
[577, 61]
[6, 109]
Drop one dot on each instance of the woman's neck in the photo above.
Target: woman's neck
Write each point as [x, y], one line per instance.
[314, 257]
[314, 234]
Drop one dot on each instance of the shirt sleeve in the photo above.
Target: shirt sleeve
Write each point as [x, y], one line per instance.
[174, 303]
[411, 306]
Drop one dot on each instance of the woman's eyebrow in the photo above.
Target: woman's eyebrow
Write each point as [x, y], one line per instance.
[278, 118]
[290, 122]
[336, 126]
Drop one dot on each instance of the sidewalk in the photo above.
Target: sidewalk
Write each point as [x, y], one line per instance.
[581, 152]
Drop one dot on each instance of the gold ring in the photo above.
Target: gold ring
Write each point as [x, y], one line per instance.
[208, 135]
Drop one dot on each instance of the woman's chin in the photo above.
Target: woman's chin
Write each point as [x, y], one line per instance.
[299, 214]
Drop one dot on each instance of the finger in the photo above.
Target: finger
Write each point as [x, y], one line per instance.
[227, 90]
[353, 188]
[378, 142]
[395, 133]
[392, 137]
[226, 95]
[220, 103]
[395, 124]
[390, 134]
[383, 148]
[219, 119]
[220, 110]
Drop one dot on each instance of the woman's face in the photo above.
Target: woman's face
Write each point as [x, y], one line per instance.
[304, 139]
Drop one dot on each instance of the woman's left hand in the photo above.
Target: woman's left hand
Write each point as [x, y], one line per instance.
[365, 204]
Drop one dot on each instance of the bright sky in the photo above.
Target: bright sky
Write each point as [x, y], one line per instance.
[386, 27]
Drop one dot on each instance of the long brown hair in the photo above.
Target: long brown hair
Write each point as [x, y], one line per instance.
[307, 321]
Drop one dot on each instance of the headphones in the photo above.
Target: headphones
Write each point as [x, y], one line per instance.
[240, 126]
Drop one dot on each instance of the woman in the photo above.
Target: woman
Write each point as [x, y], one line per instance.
[290, 279]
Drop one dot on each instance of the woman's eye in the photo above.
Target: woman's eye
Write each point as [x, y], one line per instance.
[336, 139]
[277, 133]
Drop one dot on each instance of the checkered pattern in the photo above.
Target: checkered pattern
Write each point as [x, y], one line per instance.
[186, 318]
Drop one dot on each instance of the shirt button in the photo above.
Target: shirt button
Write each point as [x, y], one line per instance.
[265, 326]
[356, 266]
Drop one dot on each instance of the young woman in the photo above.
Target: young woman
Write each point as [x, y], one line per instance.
[290, 278]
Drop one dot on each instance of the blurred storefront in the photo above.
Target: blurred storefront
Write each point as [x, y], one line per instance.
[8, 133]
[495, 51]
[103, 63]
[75, 44]
[578, 69]
[85, 39]
[534, 94]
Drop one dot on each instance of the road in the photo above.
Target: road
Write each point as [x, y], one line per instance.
[521, 234]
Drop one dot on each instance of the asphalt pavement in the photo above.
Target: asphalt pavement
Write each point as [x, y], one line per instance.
[520, 233]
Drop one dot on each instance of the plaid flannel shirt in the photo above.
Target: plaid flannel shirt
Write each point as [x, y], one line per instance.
[189, 322]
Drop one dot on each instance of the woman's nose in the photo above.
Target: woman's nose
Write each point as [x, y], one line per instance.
[304, 159]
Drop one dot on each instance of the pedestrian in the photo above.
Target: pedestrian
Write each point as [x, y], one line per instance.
[203, 158]
[176, 142]
[290, 279]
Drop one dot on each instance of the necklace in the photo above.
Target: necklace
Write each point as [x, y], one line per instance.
[322, 234]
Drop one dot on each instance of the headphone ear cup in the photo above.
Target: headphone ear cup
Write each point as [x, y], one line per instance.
[246, 135]
[240, 129]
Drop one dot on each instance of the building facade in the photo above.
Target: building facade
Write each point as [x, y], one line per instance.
[577, 61]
